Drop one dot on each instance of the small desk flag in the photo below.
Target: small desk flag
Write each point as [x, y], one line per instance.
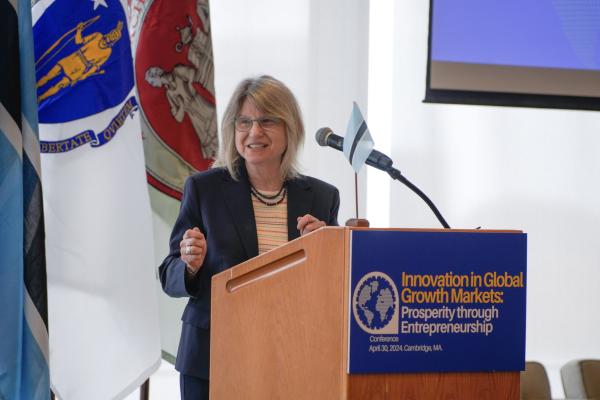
[358, 142]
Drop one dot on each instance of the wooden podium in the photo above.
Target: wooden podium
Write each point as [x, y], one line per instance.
[279, 330]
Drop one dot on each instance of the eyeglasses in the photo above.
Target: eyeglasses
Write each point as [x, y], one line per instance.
[244, 124]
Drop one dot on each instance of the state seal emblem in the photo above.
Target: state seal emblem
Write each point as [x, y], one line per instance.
[174, 77]
[84, 68]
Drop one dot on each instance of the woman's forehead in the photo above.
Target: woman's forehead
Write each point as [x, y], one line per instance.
[249, 106]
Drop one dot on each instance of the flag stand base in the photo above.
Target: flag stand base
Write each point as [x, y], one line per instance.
[358, 222]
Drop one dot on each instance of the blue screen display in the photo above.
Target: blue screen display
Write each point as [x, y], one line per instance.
[529, 33]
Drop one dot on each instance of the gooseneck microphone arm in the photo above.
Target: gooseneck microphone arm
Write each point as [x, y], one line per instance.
[326, 137]
[397, 175]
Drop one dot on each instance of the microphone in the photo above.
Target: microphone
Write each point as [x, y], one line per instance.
[326, 137]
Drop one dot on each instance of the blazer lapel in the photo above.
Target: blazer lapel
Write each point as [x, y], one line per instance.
[300, 198]
[237, 198]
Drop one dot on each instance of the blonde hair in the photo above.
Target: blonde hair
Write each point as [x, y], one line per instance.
[273, 98]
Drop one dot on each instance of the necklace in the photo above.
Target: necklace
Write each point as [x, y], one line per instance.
[264, 198]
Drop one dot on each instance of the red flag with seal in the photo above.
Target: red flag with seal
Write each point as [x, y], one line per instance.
[175, 83]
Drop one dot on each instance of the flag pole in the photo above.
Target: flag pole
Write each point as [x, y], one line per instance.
[356, 192]
[145, 390]
[357, 222]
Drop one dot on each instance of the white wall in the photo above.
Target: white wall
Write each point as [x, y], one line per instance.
[318, 49]
[530, 169]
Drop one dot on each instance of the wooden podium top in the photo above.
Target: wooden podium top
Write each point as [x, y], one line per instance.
[279, 330]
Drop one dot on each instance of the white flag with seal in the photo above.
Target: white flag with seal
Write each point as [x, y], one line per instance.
[103, 313]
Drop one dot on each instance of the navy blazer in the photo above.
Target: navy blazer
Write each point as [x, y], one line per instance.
[222, 208]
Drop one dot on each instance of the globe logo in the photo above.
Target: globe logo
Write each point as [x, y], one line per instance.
[375, 304]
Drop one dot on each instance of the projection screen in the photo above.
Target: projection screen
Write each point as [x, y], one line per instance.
[533, 53]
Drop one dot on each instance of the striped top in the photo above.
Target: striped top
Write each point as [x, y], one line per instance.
[271, 223]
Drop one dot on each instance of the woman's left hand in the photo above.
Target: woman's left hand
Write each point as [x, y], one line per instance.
[308, 223]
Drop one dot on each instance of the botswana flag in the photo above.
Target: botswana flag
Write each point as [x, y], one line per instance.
[358, 142]
[23, 299]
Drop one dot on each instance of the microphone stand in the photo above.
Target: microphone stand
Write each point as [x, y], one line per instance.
[397, 175]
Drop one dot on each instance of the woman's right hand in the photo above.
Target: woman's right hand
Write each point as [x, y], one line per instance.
[193, 250]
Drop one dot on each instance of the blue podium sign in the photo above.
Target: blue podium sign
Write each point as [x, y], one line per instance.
[437, 301]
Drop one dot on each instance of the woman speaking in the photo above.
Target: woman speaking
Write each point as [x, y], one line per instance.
[251, 201]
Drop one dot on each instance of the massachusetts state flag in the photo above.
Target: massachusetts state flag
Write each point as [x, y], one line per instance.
[358, 142]
[102, 302]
